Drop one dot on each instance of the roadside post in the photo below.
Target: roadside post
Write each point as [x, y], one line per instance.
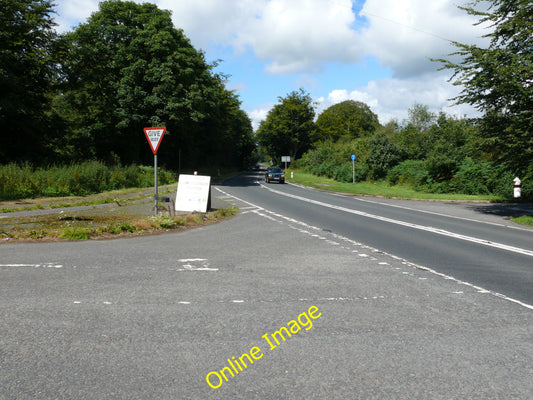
[353, 168]
[517, 188]
[154, 137]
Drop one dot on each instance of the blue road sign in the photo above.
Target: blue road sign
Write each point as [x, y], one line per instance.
[353, 157]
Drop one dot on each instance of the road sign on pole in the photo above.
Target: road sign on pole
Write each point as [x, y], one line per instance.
[285, 159]
[154, 137]
[353, 168]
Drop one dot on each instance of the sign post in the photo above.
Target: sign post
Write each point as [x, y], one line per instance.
[285, 159]
[154, 137]
[353, 168]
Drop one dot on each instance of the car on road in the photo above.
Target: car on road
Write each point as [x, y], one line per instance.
[275, 174]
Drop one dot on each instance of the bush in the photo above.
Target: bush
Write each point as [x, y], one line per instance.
[22, 181]
[343, 173]
[384, 156]
[473, 177]
[409, 172]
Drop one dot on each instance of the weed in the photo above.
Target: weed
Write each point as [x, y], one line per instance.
[127, 227]
[75, 233]
[524, 220]
[164, 222]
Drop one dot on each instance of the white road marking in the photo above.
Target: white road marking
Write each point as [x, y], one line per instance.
[423, 268]
[45, 265]
[195, 264]
[431, 229]
[421, 211]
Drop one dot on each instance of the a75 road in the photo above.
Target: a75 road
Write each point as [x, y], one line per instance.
[302, 295]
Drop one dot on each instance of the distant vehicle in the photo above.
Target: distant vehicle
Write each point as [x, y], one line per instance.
[275, 174]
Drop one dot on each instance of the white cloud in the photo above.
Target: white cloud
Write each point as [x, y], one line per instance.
[208, 22]
[390, 98]
[72, 12]
[291, 36]
[404, 34]
[300, 35]
[259, 114]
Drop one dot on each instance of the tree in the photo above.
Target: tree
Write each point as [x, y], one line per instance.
[348, 120]
[26, 76]
[384, 155]
[289, 127]
[498, 80]
[127, 67]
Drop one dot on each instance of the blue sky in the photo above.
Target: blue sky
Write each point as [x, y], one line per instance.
[375, 51]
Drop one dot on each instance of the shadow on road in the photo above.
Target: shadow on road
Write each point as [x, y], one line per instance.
[503, 210]
[244, 180]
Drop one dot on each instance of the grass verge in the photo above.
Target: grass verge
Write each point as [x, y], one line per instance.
[79, 226]
[381, 189]
[524, 220]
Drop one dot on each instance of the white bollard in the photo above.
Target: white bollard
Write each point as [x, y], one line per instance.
[292, 174]
[517, 188]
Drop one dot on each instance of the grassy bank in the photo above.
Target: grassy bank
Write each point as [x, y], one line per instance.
[24, 181]
[87, 225]
[382, 189]
[524, 220]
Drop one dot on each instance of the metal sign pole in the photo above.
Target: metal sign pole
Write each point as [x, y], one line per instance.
[156, 197]
[353, 168]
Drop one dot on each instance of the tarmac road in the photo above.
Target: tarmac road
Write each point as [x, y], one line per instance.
[153, 317]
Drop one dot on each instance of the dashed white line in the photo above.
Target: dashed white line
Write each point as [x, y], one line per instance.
[45, 265]
[405, 262]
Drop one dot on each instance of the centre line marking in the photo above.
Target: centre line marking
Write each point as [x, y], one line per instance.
[479, 289]
[431, 229]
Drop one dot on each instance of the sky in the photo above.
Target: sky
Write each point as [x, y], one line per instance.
[374, 51]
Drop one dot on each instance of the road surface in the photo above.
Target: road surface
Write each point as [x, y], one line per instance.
[319, 298]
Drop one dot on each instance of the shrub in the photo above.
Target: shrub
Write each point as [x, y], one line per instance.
[385, 155]
[409, 172]
[22, 181]
[343, 173]
[473, 177]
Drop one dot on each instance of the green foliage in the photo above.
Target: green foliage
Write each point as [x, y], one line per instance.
[438, 154]
[165, 222]
[497, 80]
[473, 177]
[409, 172]
[288, 128]
[26, 76]
[384, 155]
[23, 181]
[88, 93]
[75, 233]
[346, 120]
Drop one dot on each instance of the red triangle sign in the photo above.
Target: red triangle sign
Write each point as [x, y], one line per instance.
[154, 136]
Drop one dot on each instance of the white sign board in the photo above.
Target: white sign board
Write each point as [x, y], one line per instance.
[285, 158]
[193, 193]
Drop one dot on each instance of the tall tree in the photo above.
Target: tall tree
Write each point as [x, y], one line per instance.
[26, 74]
[288, 128]
[127, 68]
[348, 120]
[498, 80]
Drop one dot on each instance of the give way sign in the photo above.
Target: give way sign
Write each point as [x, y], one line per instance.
[154, 136]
